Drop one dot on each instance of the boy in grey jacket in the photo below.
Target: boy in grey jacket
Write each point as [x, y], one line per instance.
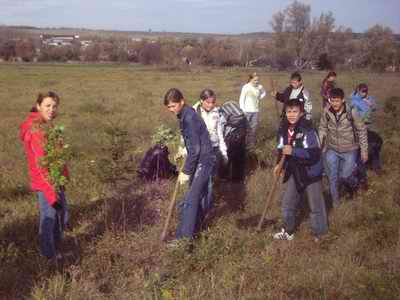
[344, 133]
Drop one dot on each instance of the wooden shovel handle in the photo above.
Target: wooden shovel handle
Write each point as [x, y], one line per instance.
[271, 192]
[171, 206]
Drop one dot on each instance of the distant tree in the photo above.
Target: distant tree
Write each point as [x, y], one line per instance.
[380, 47]
[7, 49]
[298, 22]
[150, 53]
[170, 53]
[25, 49]
[249, 52]
[341, 47]
[324, 62]
[57, 53]
[278, 26]
[299, 38]
[92, 52]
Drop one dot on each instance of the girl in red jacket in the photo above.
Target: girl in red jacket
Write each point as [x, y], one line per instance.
[52, 203]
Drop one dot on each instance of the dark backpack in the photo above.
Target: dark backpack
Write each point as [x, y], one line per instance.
[236, 123]
[156, 165]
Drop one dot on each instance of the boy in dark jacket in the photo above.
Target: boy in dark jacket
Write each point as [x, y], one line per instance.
[299, 142]
[198, 166]
[297, 91]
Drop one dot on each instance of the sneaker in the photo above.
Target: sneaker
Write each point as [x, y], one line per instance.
[283, 235]
[174, 244]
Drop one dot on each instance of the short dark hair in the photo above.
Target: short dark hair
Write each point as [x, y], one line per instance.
[173, 95]
[206, 93]
[295, 76]
[337, 93]
[294, 103]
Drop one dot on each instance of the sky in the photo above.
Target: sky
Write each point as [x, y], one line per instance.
[202, 16]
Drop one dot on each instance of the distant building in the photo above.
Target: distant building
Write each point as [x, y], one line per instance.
[86, 43]
[58, 40]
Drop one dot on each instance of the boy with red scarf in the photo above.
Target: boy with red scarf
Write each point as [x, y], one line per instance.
[299, 142]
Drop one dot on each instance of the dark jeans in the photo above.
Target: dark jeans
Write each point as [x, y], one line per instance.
[236, 160]
[51, 227]
[374, 150]
[316, 202]
[191, 208]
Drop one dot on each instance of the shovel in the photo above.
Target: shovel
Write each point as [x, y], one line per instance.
[271, 192]
[171, 206]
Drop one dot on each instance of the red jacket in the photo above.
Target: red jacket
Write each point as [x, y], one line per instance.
[34, 141]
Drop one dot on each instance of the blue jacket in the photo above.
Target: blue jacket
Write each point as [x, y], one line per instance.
[305, 163]
[364, 106]
[196, 138]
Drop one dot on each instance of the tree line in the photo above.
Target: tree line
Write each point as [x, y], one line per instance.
[298, 41]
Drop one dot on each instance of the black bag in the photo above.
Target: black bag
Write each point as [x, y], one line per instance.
[156, 165]
[236, 123]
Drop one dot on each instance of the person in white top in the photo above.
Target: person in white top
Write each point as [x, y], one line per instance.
[250, 96]
[209, 112]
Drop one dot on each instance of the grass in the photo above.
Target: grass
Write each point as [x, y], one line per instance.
[114, 250]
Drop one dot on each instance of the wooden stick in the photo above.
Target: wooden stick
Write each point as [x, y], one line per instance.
[271, 192]
[171, 206]
[278, 114]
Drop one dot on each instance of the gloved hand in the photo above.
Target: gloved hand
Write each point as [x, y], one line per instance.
[180, 154]
[183, 178]
[57, 206]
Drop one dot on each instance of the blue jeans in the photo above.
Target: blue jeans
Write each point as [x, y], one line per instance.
[50, 228]
[194, 206]
[252, 121]
[316, 202]
[340, 169]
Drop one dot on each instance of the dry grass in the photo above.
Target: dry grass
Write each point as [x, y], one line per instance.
[123, 258]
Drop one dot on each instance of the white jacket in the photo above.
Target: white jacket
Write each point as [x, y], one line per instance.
[213, 122]
[250, 97]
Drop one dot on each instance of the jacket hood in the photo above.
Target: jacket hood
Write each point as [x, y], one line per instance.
[33, 117]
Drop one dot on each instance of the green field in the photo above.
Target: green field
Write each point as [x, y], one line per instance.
[114, 249]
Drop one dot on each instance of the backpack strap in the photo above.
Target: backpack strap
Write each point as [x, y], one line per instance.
[349, 116]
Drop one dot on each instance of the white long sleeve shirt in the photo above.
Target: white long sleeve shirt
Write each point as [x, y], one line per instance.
[213, 122]
[250, 97]
[215, 130]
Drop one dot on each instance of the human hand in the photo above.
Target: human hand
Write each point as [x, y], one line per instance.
[182, 153]
[287, 150]
[183, 178]
[273, 93]
[364, 157]
[277, 170]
